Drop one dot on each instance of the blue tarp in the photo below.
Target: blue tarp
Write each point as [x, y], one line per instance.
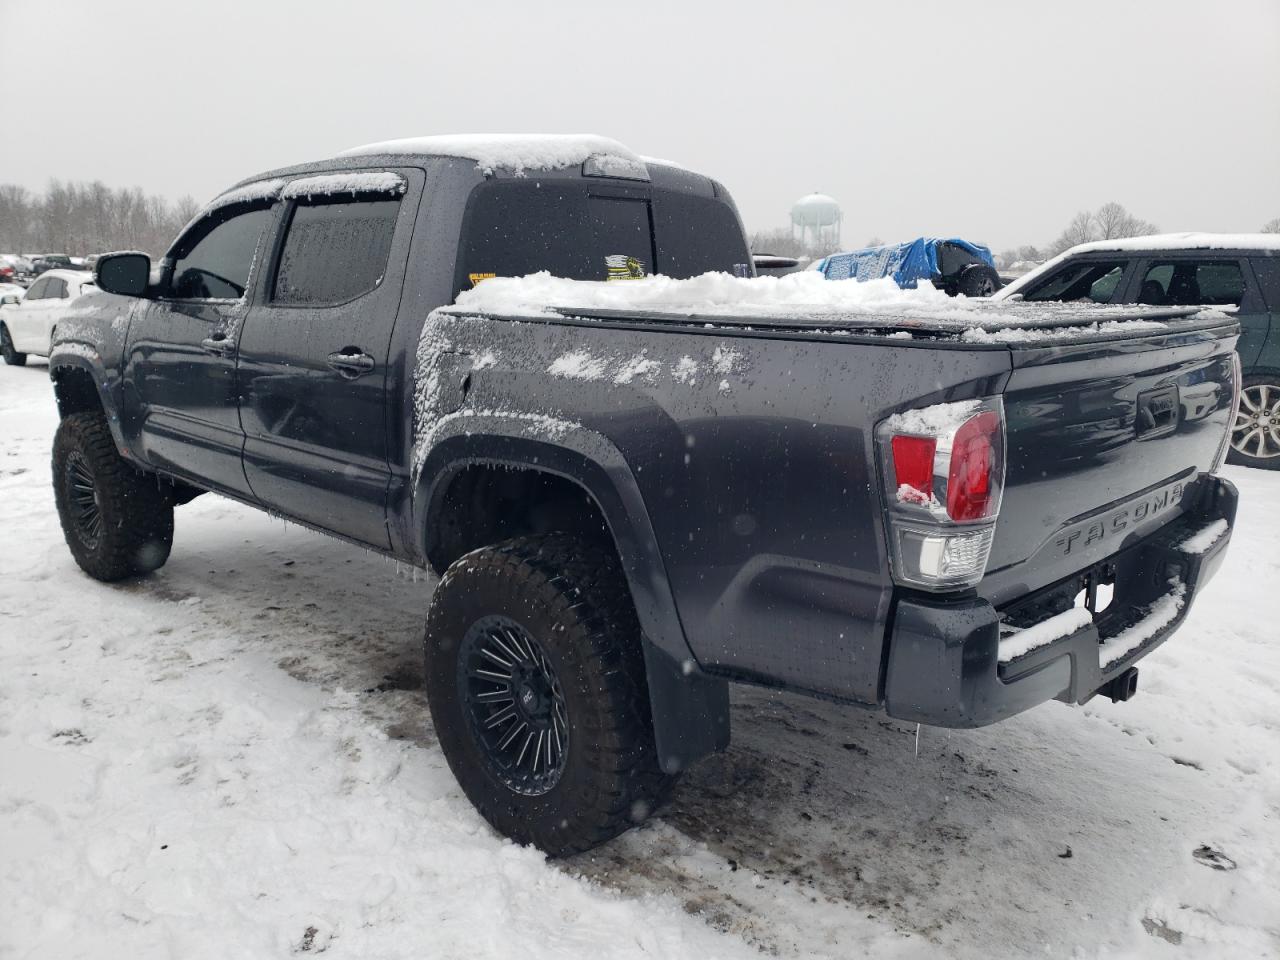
[907, 262]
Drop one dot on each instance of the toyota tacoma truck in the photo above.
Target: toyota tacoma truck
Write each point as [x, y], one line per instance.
[948, 515]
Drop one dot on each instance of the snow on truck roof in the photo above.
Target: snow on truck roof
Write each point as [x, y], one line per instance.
[517, 152]
[811, 301]
[1157, 242]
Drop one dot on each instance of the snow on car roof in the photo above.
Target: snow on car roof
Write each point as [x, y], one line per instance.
[517, 152]
[79, 276]
[806, 299]
[1185, 241]
[1154, 242]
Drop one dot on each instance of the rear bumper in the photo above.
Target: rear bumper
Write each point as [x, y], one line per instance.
[944, 664]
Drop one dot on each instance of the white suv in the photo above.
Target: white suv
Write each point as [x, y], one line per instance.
[26, 324]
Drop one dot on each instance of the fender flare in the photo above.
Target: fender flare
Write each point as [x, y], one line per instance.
[83, 358]
[690, 708]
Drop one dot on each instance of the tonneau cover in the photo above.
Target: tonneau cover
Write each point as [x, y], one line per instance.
[807, 304]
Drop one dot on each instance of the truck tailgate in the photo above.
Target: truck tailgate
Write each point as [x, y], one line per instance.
[1104, 438]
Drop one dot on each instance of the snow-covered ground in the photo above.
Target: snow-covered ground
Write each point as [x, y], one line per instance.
[232, 759]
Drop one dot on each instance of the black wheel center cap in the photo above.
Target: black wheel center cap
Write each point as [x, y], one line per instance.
[533, 700]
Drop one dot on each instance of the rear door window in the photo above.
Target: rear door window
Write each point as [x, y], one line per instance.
[1189, 283]
[334, 251]
[215, 257]
[1268, 271]
[1091, 280]
[57, 288]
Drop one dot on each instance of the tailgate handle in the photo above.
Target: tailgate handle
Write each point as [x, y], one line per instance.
[1157, 412]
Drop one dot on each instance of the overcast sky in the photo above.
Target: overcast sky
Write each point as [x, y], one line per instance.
[992, 121]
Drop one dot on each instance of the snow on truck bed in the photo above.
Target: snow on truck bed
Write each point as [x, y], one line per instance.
[809, 300]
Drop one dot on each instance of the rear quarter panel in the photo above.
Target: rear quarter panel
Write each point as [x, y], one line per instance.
[753, 459]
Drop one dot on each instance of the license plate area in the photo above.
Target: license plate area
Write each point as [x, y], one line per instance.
[1157, 412]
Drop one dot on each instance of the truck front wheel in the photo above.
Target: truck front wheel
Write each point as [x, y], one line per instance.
[535, 679]
[116, 521]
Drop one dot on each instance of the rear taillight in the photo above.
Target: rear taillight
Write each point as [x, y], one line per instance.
[943, 470]
[970, 485]
[913, 467]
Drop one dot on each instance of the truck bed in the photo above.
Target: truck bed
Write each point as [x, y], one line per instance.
[784, 443]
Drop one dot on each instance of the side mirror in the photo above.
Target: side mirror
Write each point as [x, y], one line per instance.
[10, 300]
[123, 273]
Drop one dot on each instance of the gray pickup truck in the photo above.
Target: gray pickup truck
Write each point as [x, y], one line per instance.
[946, 520]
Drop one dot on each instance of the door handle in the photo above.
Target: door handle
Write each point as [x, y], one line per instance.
[218, 345]
[352, 363]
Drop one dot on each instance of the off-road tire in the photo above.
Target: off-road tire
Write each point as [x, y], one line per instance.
[135, 516]
[11, 356]
[573, 600]
[1252, 392]
[978, 280]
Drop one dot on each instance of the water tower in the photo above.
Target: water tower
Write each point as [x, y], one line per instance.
[817, 220]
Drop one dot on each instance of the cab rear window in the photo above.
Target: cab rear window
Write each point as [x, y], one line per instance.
[582, 231]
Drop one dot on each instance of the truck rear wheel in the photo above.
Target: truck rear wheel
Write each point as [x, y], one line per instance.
[116, 521]
[11, 356]
[536, 683]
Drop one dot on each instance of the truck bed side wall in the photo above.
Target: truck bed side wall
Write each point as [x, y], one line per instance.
[752, 462]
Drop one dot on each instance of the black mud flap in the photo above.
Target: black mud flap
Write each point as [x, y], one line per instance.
[690, 710]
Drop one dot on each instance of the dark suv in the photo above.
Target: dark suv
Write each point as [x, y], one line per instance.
[1189, 269]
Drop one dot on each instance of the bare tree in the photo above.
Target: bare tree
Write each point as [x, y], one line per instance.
[1271, 226]
[1081, 229]
[82, 218]
[15, 217]
[1109, 222]
[1114, 221]
[1026, 252]
[784, 244]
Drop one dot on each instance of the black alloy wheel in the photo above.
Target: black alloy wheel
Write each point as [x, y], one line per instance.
[514, 704]
[83, 502]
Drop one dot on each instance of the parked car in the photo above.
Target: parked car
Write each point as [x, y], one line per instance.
[27, 323]
[51, 261]
[955, 266]
[631, 505]
[14, 268]
[1240, 271]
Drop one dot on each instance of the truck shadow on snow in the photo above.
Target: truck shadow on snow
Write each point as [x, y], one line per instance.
[826, 814]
